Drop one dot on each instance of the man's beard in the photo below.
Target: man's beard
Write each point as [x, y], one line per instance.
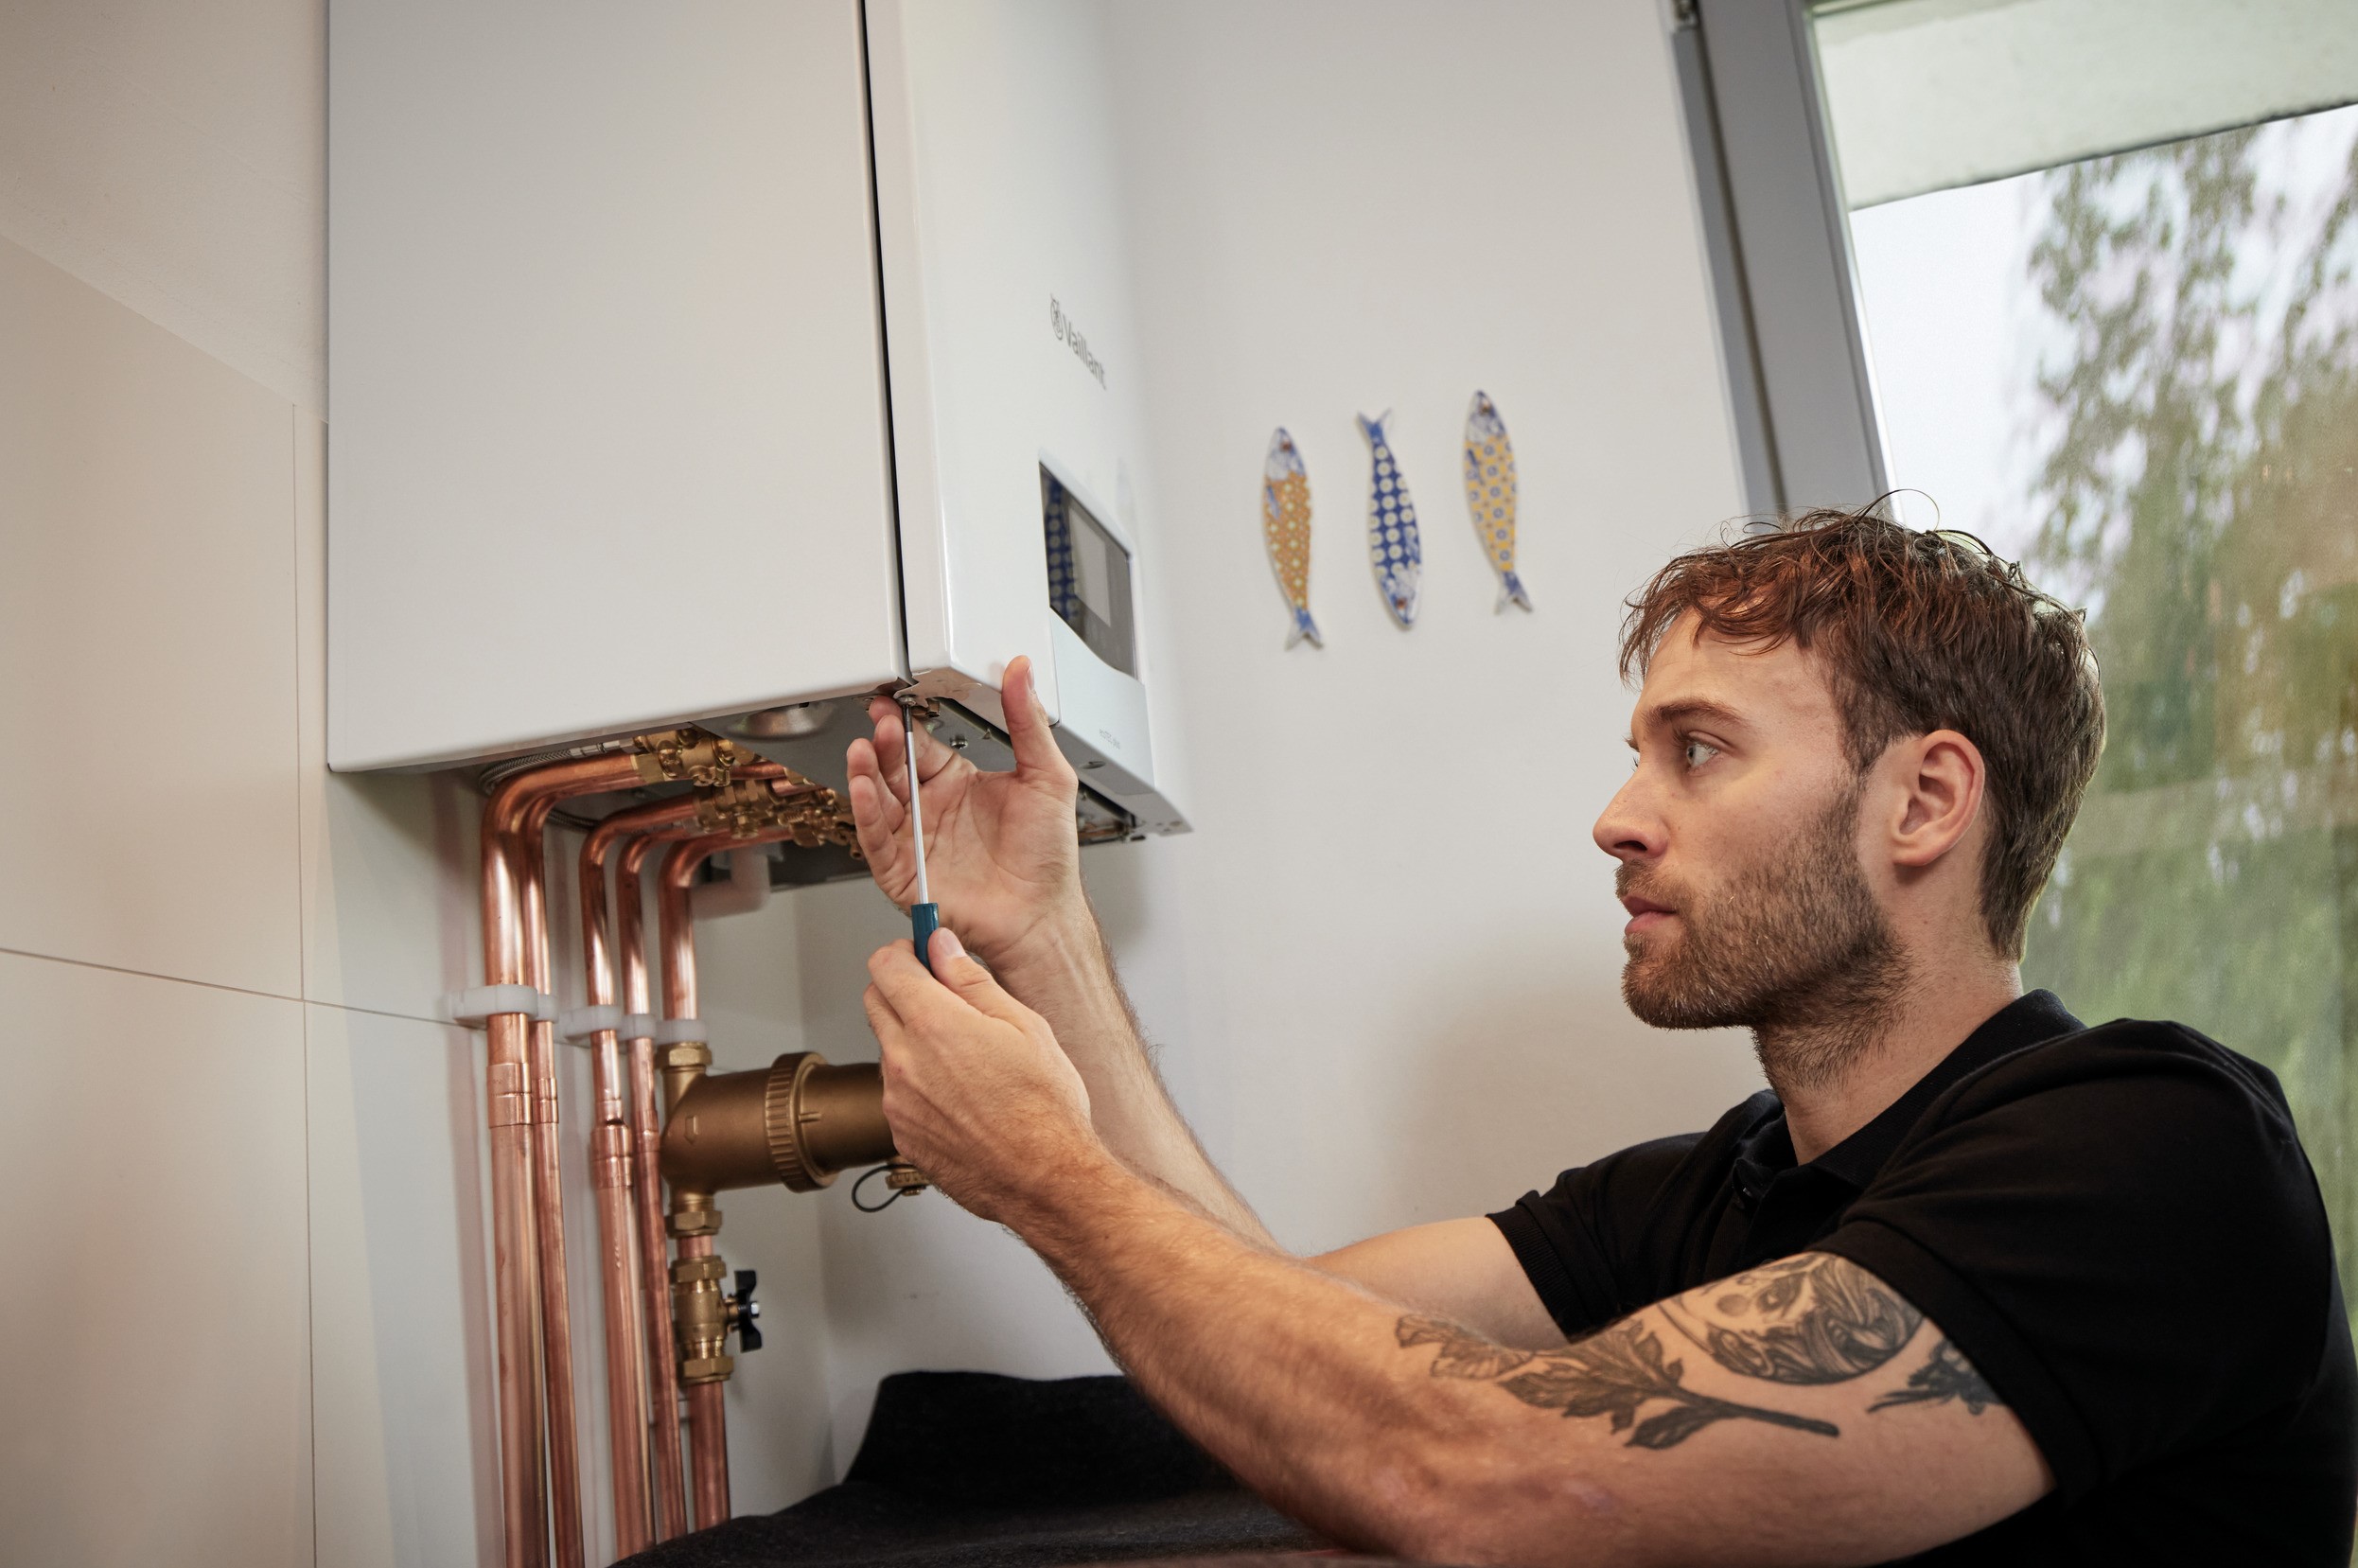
[1796, 949]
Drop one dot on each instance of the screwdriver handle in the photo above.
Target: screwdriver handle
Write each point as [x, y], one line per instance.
[924, 920]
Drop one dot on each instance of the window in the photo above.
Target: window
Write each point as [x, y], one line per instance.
[2089, 268]
[2138, 375]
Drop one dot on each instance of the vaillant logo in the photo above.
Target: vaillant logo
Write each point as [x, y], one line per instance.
[1069, 335]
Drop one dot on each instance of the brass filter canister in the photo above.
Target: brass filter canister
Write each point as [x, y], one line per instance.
[799, 1122]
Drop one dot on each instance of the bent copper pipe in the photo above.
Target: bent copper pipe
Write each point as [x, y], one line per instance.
[671, 1496]
[612, 1176]
[708, 1427]
[524, 1511]
[513, 957]
[548, 1195]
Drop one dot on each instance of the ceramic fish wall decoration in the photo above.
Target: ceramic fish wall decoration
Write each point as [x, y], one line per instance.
[1285, 518]
[1393, 546]
[1490, 495]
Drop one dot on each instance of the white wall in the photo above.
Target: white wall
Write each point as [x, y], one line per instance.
[1383, 968]
[248, 1317]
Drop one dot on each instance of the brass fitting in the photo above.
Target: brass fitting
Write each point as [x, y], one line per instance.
[692, 1214]
[689, 756]
[748, 807]
[681, 1063]
[700, 1319]
[799, 1122]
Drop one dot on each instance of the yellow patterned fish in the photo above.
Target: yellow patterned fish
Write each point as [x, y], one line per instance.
[1285, 518]
[1490, 495]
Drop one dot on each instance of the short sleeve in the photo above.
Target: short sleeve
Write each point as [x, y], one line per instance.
[1606, 1237]
[2121, 1231]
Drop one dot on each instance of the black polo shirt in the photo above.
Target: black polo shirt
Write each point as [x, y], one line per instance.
[2116, 1225]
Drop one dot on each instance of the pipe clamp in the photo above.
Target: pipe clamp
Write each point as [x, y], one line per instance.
[478, 1004]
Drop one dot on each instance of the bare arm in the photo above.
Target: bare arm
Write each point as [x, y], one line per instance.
[1002, 856]
[1803, 1412]
[1460, 1269]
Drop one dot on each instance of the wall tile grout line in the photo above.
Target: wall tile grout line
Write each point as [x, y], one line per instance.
[234, 989]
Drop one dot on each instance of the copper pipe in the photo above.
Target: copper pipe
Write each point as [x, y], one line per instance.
[510, 1106]
[708, 1432]
[548, 1196]
[708, 1426]
[671, 1493]
[611, 1174]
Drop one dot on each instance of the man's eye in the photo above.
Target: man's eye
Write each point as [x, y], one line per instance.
[1700, 752]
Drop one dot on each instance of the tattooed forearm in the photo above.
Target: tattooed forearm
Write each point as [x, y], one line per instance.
[1615, 1372]
[1812, 1319]
[1948, 1375]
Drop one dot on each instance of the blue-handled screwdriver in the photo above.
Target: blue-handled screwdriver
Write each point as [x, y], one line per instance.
[925, 915]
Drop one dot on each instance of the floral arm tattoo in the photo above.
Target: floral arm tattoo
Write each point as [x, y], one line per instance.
[1945, 1375]
[1614, 1372]
[1806, 1320]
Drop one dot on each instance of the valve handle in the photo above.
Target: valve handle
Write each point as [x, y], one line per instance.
[743, 1310]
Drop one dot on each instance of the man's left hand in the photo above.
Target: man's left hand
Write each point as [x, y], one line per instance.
[979, 1095]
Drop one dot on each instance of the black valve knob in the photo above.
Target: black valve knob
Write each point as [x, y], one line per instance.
[743, 1310]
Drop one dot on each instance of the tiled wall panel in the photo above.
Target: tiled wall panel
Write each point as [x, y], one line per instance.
[148, 635]
[154, 1341]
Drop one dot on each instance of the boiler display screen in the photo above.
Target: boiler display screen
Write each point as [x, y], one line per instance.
[1088, 576]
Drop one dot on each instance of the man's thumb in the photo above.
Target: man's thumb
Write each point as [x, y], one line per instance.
[971, 981]
[1028, 734]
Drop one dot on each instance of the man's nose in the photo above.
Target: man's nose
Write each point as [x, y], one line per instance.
[1629, 830]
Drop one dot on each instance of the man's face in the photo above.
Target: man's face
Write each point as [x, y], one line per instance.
[1740, 854]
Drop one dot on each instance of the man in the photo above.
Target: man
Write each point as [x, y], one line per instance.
[1970, 1279]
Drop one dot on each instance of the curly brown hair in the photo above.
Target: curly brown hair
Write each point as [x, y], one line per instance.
[1917, 632]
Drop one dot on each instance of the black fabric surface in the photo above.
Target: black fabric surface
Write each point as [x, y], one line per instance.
[971, 1470]
[2116, 1225]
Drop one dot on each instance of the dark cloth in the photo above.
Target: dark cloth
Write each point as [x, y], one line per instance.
[970, 1470]
[2116, 1225]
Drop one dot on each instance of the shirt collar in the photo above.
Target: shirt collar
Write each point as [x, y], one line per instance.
[2025, 1021]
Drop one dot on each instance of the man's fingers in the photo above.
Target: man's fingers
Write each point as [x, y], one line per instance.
[932, 756]
[891, 763]
[876, 817]
[862, 761]
[881, 1021]
[970, 980]
[904, 982]
[1027, 725]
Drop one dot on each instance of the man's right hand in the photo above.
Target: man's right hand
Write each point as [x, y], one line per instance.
[1002, 852]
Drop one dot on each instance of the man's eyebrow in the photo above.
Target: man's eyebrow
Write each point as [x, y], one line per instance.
[1690, 710]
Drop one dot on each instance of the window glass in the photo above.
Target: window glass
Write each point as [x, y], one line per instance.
[1924, 95]
[2139, 374]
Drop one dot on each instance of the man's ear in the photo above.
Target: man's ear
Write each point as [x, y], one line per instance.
[1942, 777]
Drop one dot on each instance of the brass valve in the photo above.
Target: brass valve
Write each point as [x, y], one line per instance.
[688, 756]
[700, 1319]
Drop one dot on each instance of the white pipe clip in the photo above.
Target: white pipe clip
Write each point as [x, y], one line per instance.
[638, 1026]
[577, 1024]
[672, 1032]
[478, 1003]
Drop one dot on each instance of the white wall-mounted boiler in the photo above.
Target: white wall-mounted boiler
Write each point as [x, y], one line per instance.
[722, 364]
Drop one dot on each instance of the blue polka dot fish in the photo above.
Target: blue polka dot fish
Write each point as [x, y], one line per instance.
[1393, 546]
[1490, 495]
[1285, 520]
